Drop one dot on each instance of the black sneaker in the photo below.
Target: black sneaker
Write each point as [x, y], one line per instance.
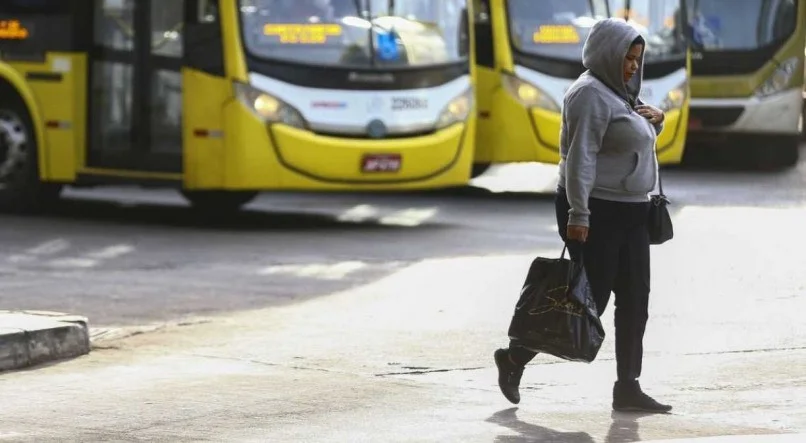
[628, 397]
[509, 376]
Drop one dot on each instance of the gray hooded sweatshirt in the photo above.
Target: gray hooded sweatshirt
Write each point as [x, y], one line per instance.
[607, 149]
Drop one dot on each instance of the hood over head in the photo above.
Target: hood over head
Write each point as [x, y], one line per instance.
[604, 52]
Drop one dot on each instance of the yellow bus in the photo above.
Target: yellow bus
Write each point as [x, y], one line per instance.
[222, 99]
[529, 52]
[747, 84]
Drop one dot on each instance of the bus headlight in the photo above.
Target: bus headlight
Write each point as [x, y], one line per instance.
[267, 107]
[528, 94]
[457, 110]
[675, 98]
[780, 79]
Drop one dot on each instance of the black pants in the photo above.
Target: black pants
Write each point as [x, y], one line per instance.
[616, 258]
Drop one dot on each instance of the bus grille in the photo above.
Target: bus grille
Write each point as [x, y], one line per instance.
[716, 117]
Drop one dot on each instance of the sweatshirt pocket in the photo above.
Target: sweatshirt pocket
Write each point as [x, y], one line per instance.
[613, 169]
[641, 177]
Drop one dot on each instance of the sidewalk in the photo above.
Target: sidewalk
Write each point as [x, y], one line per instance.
[409, 359]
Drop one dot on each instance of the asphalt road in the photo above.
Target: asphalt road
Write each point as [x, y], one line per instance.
[406, 357]
[125, 256]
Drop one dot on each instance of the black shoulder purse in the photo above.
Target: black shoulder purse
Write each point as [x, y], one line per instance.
[659, 223]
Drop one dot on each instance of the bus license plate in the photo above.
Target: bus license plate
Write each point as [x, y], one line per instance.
[381, 163]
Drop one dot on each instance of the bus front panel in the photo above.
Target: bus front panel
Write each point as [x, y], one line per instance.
[546, 43]
[37, 40]
[334, 97]
[748, 66]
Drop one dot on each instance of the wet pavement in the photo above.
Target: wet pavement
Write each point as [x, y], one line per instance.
[283, 341]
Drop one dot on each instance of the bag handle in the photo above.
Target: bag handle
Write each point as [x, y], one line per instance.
[573, 276]
[660, 176]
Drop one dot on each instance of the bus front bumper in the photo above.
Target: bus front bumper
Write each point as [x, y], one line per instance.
[778, 114]
[547, 126]
[433, 160]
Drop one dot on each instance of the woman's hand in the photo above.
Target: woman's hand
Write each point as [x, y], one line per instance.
[651, 113]
[577, 233]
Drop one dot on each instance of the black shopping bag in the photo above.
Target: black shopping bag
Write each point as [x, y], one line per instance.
[556, 313]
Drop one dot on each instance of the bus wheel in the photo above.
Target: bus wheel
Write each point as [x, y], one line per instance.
[20, 187]
[781, 153]
[218, 201]
[479, 169]
[802, 121]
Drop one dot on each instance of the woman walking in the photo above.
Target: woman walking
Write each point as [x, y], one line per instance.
[607, 170]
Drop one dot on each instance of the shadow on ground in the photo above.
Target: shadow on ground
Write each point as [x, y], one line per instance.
[457, 193]
[624, 429]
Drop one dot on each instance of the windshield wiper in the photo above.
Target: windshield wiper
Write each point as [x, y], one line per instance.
[687, 26]
[360, 10]
[592, 8]
[372, 51]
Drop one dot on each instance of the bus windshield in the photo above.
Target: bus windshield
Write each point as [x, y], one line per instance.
[356, 33]
[558, 28]
[728, 25]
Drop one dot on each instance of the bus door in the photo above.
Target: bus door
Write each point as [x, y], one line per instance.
[135, 91]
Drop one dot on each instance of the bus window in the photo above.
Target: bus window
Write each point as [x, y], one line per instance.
[167, 18]
[553, 28]
[114, 25]
[746, 25]
[780, 25]
[112, 76]
[335, 32]
[39, 7]
[660, 23]
[208, 11]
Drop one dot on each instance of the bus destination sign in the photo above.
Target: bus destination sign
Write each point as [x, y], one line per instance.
[13, 30]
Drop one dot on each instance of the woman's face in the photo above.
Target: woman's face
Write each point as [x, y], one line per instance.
[631, 61]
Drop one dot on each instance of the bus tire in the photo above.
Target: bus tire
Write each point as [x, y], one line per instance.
[788, 153]
[21, 189]
[802, 123]
[215, 202]
[479, 169]
[779, 153]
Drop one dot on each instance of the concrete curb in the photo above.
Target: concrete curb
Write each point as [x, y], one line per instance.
[29, 338]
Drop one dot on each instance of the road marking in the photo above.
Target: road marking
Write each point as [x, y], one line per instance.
[359, 213]
[111, 252]
[519, 177]
[93, 258]
[409, 217]
[48, 248]
[73, 262]
[22, 258]
[330, 271]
